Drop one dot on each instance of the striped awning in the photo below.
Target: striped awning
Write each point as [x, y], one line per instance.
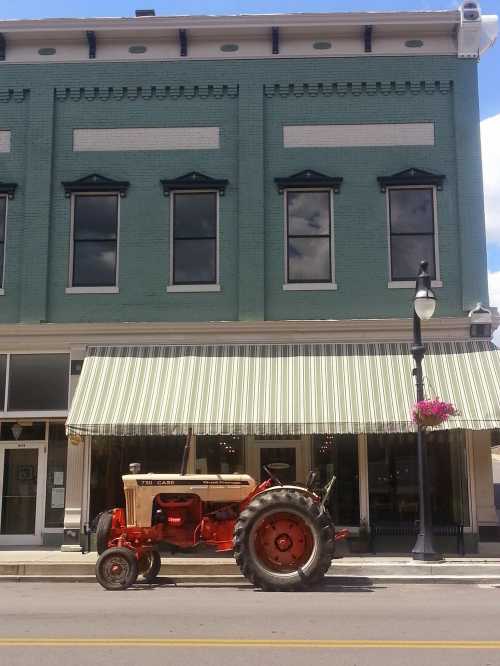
[273, 389]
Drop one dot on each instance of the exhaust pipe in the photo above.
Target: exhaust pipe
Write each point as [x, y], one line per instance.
[185, 455]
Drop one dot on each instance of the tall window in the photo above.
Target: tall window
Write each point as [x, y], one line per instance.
[308, 236]
[412, 231]
[393, 478]
[3, 217]
[338, 454]
[194, 236]
[95, 240]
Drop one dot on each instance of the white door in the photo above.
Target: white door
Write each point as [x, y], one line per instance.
[22, 492]
[285, 458]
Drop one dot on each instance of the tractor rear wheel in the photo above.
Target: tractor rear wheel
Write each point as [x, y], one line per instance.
[149, 566]
[283, 541]
[103, 530]
[116, 568]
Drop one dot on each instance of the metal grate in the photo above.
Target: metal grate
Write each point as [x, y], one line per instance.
[130, 504]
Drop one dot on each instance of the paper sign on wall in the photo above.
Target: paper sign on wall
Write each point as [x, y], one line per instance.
[57, 498]
[58, 478]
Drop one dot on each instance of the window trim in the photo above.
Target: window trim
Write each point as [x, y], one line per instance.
[410, 284]
[193, 287]
[108, 289]
[6, 197]
[311, 285]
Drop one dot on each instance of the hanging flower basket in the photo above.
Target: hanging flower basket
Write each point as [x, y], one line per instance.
[429, 413]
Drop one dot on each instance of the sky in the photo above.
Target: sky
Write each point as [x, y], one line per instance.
[489, 69]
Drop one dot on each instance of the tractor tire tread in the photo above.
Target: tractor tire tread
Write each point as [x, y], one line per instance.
[283, 498]
[103, 531]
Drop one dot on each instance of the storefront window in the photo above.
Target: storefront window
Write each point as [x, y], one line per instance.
[219, 455]
[111, 457]
[393, 478]
[38, 382]
[448, 468]
[338, 454]
[56, 475]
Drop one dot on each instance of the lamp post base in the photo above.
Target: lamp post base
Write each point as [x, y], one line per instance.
[424, 550]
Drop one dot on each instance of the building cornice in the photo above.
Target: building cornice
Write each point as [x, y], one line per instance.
[17, 337]
[245, 21]
[458, 32]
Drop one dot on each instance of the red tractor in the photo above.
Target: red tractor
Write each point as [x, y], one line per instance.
[282, 535]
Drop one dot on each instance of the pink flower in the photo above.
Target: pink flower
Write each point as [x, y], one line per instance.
[434, 409]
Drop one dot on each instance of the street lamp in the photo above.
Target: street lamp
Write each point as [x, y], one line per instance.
[424, 304]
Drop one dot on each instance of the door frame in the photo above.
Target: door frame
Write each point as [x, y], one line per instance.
[254, 447]
[36, 538]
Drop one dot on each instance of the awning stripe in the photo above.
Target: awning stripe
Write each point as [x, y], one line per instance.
[279, 389]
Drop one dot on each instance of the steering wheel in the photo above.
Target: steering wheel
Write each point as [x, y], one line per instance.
[273, 478]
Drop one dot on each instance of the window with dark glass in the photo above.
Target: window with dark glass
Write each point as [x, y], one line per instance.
[95, 240]
[219, 454]
[12, 431]
[111, 457]
[393, 478]
[411, 219]
[338, 454]
[3, 216]
[38, 382]
[194, 238]
[308, 222]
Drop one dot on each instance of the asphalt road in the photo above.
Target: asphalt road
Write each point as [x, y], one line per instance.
[69, 624]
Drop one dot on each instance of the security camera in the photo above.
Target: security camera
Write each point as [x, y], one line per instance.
[471, 11]
[469, 31]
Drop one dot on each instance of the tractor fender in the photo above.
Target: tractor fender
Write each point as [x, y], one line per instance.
[298, 489]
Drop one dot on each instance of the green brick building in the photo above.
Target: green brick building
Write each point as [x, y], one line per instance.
[242, 196]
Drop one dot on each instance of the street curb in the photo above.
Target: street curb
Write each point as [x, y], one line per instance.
[238, 580]
[207, 569]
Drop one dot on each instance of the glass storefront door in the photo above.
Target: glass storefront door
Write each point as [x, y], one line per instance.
[284, 457]
[22, 486]
[281, 461]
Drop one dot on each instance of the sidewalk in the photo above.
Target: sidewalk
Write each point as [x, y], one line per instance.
[54, 565]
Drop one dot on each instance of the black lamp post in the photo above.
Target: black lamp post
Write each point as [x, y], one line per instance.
[424, 305]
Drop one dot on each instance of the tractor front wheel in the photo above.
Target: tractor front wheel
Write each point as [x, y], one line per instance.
[149, 565]
[283, 541]
[116, 568]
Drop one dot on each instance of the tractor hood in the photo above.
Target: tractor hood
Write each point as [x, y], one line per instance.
[141, 489]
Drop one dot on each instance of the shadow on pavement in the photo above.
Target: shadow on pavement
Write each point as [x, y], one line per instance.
[358, 585]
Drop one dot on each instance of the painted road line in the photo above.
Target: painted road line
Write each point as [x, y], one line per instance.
[249, 643]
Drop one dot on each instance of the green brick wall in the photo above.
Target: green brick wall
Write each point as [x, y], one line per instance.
[14, 116]
[258, 99]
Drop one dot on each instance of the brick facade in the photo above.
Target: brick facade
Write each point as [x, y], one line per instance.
[251, 102]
